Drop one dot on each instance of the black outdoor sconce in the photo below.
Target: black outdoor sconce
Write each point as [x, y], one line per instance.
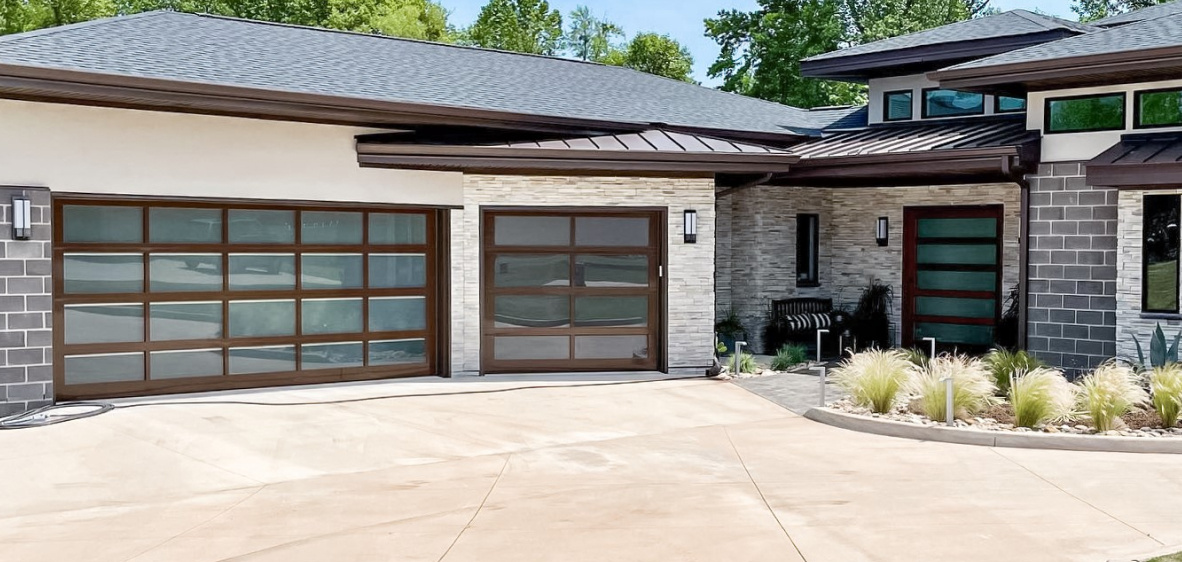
[22, 218]
[880, 231]
[691, 226]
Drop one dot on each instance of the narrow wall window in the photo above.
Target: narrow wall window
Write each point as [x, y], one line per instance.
[950, 103]
[1159, 276]
[807, 248]
[896, 106]
[1085, 113]
[1158, 108]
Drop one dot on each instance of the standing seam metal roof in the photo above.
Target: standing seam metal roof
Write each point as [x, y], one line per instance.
[893, 139]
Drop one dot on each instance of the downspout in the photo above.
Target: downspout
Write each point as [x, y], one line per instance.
[1017, 175]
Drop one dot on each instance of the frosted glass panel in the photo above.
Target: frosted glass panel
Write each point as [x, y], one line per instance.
[260, 272]
[185, 272]
[185, 226]
[107, 323]
[958, 280]
[528, 311]
[532, 231]
[331, 356]
[970, 254]
[397, 352]
[397, 270]
[955, 333]
[611, 311]
[114, 367]
[958, 228]
[397, 228]
[611, 347]
[531, 347]
[331, 271]
[188, 363]
[531, 270]
[262, 227]
[611, 231]
[395, 314]
[247, 360]
[331, 316]
[967, 308]
[94, 223]
[186, 321]
[262, 318]
[103, 273]
[330, 227]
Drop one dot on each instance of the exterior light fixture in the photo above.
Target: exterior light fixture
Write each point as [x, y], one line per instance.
[691, 226]
[880, 231]
[22, 218]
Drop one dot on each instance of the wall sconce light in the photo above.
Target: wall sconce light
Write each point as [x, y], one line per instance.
[22, 218]
[691, 226]
[880, 231]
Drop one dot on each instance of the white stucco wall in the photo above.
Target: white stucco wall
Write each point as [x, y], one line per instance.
[914, 82]
[1070, 147]
[78, 149]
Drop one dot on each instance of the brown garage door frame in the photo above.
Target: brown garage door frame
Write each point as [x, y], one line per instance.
[436, 290]
[657, 290]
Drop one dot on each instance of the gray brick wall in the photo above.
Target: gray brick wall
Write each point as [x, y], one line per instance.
[26, 307]
[1072, 288]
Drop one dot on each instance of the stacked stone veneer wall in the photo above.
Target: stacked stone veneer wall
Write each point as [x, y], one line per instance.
[689, 268]
[26, 307]
[757, 243]
[1073, 264]
[1130, 321]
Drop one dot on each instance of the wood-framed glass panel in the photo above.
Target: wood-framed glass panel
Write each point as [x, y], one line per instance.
[1159, 250]
[571, 290]
[160, 296]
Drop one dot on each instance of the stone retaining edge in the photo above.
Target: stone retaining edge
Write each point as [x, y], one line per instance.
[1063, 442]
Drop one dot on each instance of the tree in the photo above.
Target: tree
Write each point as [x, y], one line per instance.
[655, 54]
[589, 37]
[1091, 10]
[761, 50]
[413, 19]
[524, 26]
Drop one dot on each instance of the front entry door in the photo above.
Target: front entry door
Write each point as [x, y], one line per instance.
[952, 266]
[571, 290]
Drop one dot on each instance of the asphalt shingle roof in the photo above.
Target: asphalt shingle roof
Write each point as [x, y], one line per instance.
[1155, 33]
[1155, 11]
[217, 50]
[1005, 24]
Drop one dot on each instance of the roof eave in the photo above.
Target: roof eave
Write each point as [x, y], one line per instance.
[931, 167]
[1087, 70]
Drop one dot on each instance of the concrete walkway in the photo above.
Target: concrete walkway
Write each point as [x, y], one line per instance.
[689, 470]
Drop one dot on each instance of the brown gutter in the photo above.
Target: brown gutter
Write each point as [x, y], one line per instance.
[575, 160]
[938, 167]
[1060, 69]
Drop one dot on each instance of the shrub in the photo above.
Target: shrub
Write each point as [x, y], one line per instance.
[1166, 385]
[972, 386]
[747, 363]
[1041, 396]
[790, 355]
[916, 356]
[1108, 393]
[873, 378]
[1003, 364]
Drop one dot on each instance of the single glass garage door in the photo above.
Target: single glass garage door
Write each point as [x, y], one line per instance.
[571, 291]
[171, 297]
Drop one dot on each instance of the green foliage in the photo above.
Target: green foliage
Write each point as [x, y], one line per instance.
[524, 26]
[747, 363]
[591, 38]
[654, 54]
[730, 326]
[1091, 10]
[1041, 396]
[720, 348]
[790, 355]
[1160, 353]
[870, 323]
[972, 387]
[1165, 385]
[916, 356]
[1005, 364]
[874, 378]
[1109, 393]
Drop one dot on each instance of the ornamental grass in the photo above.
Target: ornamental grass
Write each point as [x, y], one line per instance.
[873, 378]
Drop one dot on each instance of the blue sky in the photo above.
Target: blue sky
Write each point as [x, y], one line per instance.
[682, 19]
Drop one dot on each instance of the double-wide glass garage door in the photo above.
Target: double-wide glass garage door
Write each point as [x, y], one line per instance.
[571, 290]
[166, 297]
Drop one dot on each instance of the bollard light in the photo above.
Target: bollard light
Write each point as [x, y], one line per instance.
[822, 370]
[22, 218]
[948, 413]
[819, 332]
[738, 353]
[933, 346]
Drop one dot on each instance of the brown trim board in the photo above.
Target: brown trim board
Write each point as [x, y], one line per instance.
[1074, 71]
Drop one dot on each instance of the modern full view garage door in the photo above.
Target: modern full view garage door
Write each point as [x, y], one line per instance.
[168, 296]
[574, 291]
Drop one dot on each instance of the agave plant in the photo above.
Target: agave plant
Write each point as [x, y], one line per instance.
[1004, 364]
[1108, 393]
[873, 378]
[1165, 383]
[1160, 354]
[1041, 396]
[972, 386]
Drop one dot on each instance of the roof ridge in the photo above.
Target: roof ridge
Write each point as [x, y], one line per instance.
[1026, 15]
[14, 37]
[1040, 19]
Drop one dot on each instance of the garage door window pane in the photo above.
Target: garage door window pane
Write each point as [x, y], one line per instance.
[525, 270]
[611, 347]
[532, 231]
[185, 226]
[113, 367]
[103, 273]
[527, 348]
[521, 311]
[186, 321]
[262, 227]
[397, 352]
[331, 271]
[187, 363]
[397, 270]
[262, 318]
[611, 271]
[328, 227]
[107, 323]
[332, 356]
[611, 231]
[396, 314]
[611, 311]
[269, 359]
[331, 316]
[185, 272]
[260, 272]
[397, 228]
[93, 223]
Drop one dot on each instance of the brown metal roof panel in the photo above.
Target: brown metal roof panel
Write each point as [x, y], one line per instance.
[690, 143]
[719, 145]
[661, 141]
[582, 144]
[633, 141]
[609, 142]
[1139, 160]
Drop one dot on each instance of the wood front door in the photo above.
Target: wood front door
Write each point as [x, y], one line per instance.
[571, 290]
[952, 267]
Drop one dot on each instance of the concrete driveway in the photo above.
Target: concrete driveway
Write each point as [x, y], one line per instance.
[661, 470]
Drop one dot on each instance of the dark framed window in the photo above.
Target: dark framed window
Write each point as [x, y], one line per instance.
[807, 249]
[1006, 104]
[938, 102]
[1078, 114]
[896, 106]
[1157, 108]
[1159, 236]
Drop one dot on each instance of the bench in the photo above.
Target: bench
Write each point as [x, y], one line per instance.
[797, 321]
